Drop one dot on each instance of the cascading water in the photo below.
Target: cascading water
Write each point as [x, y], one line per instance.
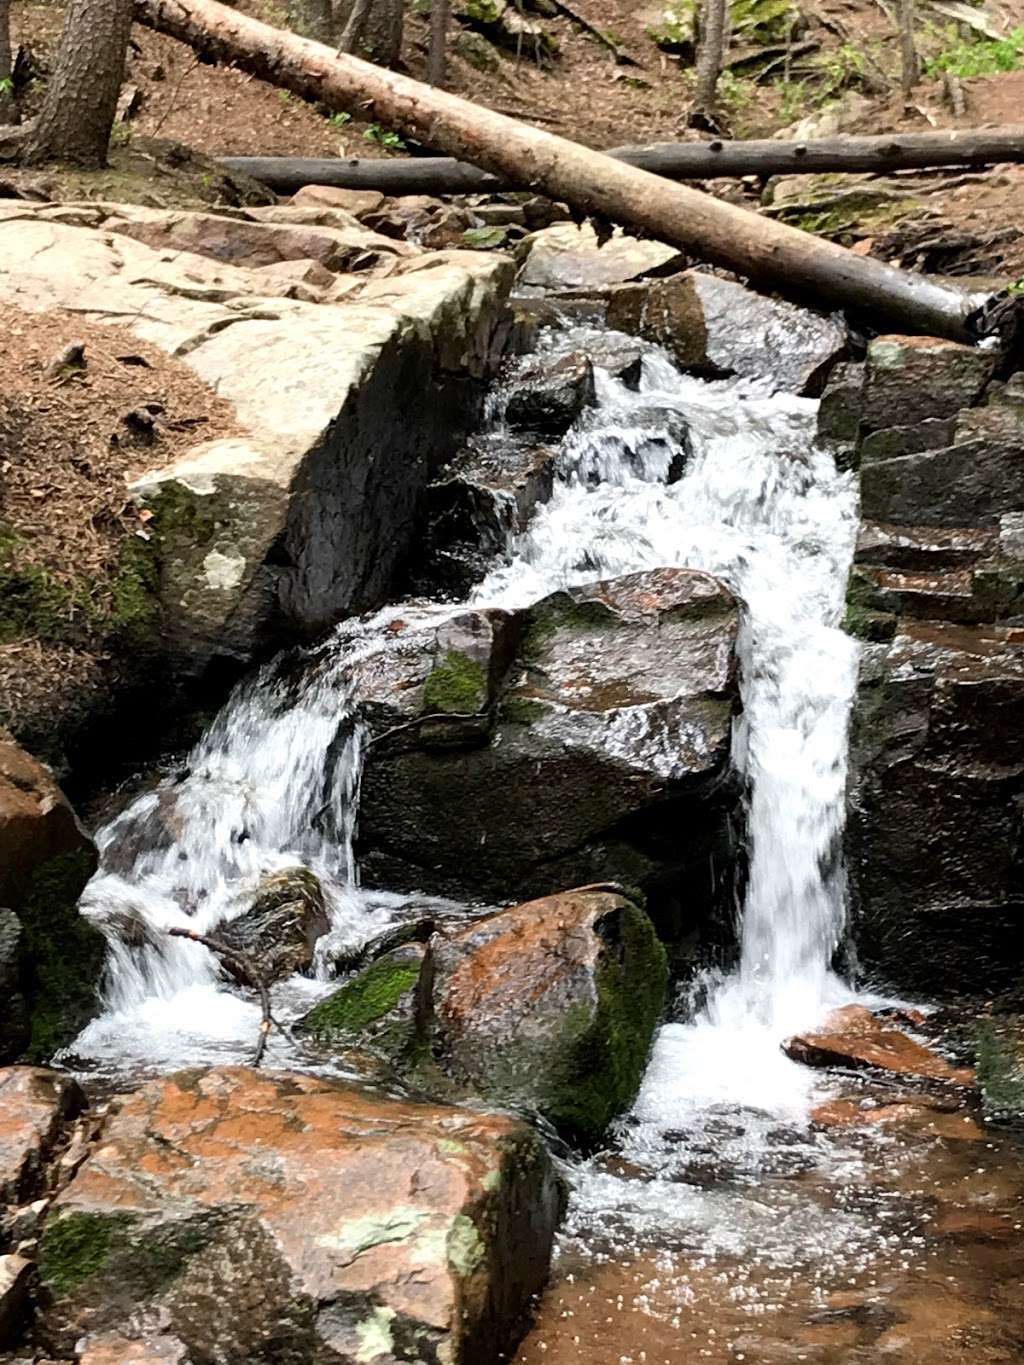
[275, 780]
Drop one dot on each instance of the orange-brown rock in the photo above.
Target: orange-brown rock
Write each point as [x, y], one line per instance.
[922, 1118]
[285, 1217]
[854, 1037]
[110, 1348]
[552, 1005]
[36, 822]
[35, 1104]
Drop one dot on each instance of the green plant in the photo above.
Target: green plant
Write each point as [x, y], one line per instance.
[384, 138]
[339, 118]
[676, 27]
[285, 96]
[734, 93]
[793, 98]
[6, 86]
[978, 55]
[840, 70]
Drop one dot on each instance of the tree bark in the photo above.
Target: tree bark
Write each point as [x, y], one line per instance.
[768, 253]
[714, 28]
[373, 29]
[910, 63]
[81, 98]
[313, 19]
[8, 109]
[437, 59]
[676, 160]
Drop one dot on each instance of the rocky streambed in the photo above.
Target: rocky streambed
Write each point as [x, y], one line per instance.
[533, 884]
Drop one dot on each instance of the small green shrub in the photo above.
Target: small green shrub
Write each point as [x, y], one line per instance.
[384, 138]
[979, 56]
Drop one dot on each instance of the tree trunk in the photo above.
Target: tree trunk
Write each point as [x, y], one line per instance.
[81, 98]
[437, 60]
[676, 160]
[313, 19]
[768, 253]
[714, 28]
[377, 35]
[910, 63]
[8, 109]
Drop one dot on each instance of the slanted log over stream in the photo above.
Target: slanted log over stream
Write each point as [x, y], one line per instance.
[674, 160]
[770, 254]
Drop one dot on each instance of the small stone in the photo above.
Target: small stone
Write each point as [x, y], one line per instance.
[356, 202]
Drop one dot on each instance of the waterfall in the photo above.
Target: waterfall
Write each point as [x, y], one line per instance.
[722, 476]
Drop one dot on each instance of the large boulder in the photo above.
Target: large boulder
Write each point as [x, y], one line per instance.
[551, 1006]
[52, 958]
[584, 739]
[306, 514]
[290, 1218]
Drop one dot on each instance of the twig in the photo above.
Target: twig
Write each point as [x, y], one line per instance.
[422, 720]
[621, 56]
[244, 970]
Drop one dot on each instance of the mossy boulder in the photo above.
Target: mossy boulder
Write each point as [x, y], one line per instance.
[551, 1006]
[279, 931]
[381, 1007]
[289, 1218]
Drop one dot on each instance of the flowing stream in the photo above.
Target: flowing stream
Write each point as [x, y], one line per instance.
[715, 1182]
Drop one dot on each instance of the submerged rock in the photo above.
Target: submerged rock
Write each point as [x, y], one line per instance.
[552, 1006]
[855, 1037]
[279, 931]
[597, 746]
[290, 1218]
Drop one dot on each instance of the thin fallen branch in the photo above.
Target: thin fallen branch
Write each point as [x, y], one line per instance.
[244, 970]
[620, 54]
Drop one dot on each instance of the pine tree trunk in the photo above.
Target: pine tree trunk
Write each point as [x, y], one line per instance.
[378, 37]
[8, 110]
[910, 63]
[437, 60]
[81, 98]
[711, 52]
[313, 19]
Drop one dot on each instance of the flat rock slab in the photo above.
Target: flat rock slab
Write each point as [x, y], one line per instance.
[566, 257]
[35, 1106]
[262, 1217]
[854, 1037]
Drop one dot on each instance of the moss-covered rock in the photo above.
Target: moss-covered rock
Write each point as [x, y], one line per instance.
[279, 931]
[552, 1006]
[999, 1044]
[457, 685]
[380, 1008]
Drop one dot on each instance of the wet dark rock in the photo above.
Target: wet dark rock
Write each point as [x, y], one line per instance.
[603, 753]
[935, 853]
[999, 1043]
[383, 1008]
[552, 1006]
[290, 1218]
[35, 1108]
[547, 396]
[716, 326]
[854, 1037]
[914, 379]
[890, 442]
[655, 446]
[839, 411]
[16, 1273]
[618, 359]
[927, 549]
[486, 496]
[14, 1020]
[279, 931]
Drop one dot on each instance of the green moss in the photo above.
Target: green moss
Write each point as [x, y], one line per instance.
[521, 710]
[366, 1000]
[456, 686]
[874, 627]
[608, 1061]
[179, 512]
[480, 11]
[77, 1246]
[1000, 1072]
[134, 604]
[62, 954]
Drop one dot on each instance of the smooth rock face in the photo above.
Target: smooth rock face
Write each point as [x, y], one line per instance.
[307, 513]
[853, 1036]
[591, 708]
[356, 202]
[911, 379]
[35, 1104]
[278, 933]
[288, 1218]
[565, 257]
[552, 1006]
[36, 822]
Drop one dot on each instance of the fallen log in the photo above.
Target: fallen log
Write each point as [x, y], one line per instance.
[766, 252]
[674, 160]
